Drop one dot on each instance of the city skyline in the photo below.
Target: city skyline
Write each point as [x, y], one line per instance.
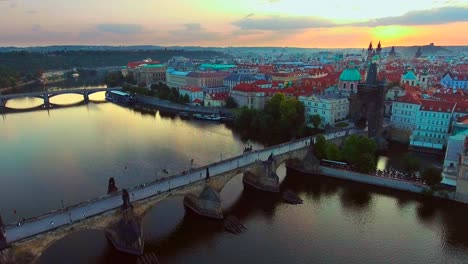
[292, 23]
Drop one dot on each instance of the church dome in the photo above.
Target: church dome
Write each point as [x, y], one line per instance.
[350, 75]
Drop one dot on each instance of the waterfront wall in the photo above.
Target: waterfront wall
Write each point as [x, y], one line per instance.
[168, 105]
[373, 180]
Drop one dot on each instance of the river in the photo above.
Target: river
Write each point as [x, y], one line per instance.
[68, 155]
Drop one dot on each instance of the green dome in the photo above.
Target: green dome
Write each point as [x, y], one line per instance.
[350, 75]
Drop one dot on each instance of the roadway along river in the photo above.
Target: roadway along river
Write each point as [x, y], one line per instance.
[69, 154]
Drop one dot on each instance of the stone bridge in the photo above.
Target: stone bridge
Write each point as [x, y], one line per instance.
[46, 95]
[28, 241]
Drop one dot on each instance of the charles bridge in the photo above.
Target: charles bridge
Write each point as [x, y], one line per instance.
[26, 242]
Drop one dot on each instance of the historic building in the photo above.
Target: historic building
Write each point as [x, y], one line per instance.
[453, 81]
[234, 79]
[176, 79]
[215, 100]
[210, 82]
[331, 107]
[432, 124]
[367, 105]
[462, 177]
[249, 95]
[403, 120]
[455, 145]
[195, 94]
[149, 74]
[349, 80]
[410, 78]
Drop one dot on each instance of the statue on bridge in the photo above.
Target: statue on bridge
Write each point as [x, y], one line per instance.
[126, 199]
[111, 188]
[207, 173]
[271, 158]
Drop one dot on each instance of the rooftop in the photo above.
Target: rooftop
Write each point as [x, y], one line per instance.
[350, 75]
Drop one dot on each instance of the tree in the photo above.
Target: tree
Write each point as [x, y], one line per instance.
[333, 152]
[186, 99]
[272, 106]
[365, 163]
[411, 163]
[316, 120]
[320, 147]
[432, 176]
[230, 102]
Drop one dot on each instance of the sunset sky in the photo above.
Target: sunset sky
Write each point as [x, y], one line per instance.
[292, 23]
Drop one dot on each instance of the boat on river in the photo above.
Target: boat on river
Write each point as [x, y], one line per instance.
[211, 117]
[120, 97]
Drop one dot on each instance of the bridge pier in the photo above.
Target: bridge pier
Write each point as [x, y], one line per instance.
[207, 203]
[46, 99]
[127, 234]
[263, 176]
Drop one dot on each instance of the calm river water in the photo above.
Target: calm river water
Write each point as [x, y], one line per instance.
[68, 154]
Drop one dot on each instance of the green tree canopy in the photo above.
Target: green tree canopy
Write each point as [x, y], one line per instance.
[316, 120]
[320, 147]
[333, 152]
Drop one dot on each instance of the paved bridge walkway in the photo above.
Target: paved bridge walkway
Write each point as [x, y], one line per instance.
[79, 212]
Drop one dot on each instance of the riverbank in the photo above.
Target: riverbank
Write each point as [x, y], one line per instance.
[175, 107]
[381, 182]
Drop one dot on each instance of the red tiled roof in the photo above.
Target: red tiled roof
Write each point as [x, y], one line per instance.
[191, 89]
[463, 119]
[461, 107]
[219, 96]
[437, 106]
[197, 100]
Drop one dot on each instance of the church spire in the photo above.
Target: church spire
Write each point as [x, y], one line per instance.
[379, 48]
[370, 46]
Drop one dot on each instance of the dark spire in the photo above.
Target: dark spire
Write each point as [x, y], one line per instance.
[372, 74]
[392, 52]
[379, 48]
[418, 53]
[370, 46]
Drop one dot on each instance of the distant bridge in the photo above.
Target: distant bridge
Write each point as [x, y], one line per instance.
[30, 239]
[46, 95]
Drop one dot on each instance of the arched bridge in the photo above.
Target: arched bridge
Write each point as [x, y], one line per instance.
[32, 237]
[46, 95]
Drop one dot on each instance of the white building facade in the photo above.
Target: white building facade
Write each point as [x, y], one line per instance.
[330, 107]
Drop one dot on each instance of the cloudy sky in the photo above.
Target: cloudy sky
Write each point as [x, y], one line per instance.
[292, 23]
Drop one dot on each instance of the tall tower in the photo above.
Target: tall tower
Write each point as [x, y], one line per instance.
[462, 177]
[368, 104]
[392, 53]
[418, 53]
[379, 48]
[369, 52]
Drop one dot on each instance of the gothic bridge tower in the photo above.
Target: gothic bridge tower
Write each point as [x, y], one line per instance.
[368, 104]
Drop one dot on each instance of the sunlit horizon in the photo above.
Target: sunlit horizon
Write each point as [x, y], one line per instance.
[256, 23]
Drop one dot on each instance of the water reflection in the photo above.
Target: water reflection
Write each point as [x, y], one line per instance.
[24, 103]
[177, 236]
